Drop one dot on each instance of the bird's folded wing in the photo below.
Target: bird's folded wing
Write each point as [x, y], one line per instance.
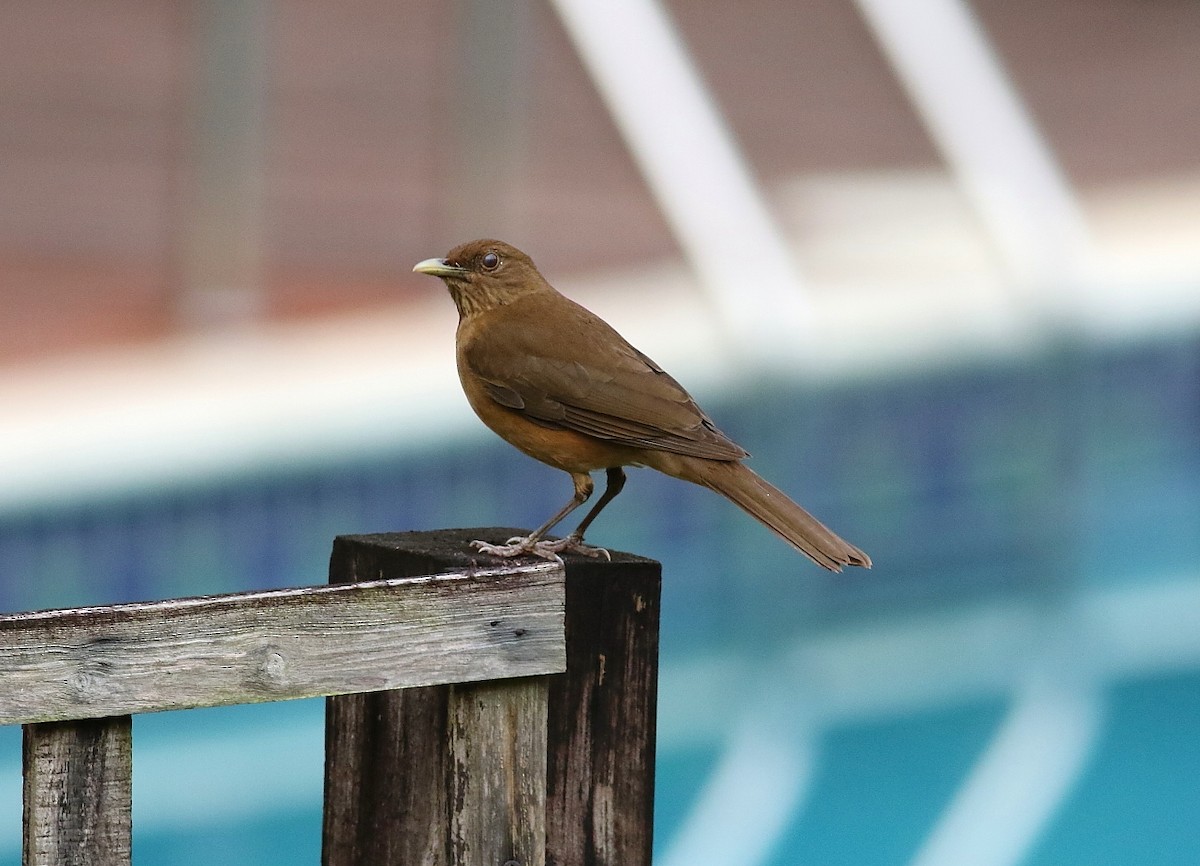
[579, 374]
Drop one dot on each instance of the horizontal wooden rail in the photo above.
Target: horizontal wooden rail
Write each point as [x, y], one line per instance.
[469, 625]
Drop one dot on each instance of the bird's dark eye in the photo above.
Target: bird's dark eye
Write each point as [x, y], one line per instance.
[490, 261]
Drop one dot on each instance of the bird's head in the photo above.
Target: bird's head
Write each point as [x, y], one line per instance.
[484, 274]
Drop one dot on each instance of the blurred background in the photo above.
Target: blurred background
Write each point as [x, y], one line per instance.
[936, 265]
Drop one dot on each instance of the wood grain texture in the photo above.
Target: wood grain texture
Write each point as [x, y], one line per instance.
[78, 793]
[389, 762]
[386, 779]
[498, 773]
[602, 717]
[387, 758]
[437, 776]
[473, 624]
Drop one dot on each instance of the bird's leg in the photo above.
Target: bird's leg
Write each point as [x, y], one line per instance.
[573, 543]
[532, 543]
[614, 484]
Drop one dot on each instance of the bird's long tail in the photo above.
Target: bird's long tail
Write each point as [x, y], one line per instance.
[773, 508]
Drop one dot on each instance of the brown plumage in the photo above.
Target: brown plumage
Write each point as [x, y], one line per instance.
[561, 385]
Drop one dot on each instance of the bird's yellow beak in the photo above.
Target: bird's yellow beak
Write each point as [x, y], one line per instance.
[439, 268]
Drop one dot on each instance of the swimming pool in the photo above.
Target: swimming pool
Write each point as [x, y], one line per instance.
[1016, 681]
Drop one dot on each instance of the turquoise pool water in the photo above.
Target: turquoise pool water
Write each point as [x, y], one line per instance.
[1032, 520]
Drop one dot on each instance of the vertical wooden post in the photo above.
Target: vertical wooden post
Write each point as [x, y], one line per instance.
[600, 797]
[385, 778]
[498, 774]
[438, 776]
[78, 793]
[391, 756]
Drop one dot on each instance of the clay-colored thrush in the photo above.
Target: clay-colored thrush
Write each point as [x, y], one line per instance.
[561, 385]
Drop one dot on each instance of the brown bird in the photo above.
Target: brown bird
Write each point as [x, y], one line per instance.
[561, 385]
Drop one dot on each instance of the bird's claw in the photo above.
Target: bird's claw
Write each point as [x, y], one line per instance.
[518, 546]
[549, 550]
[574, 544]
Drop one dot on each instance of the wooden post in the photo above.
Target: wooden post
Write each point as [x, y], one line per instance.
[498, 772]
[394, 769]
[600, 801]
[78, 793]
[440, 775]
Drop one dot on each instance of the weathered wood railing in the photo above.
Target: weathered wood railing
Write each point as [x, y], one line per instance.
[451, 735]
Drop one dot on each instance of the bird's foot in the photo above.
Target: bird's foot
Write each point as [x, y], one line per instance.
[526, 546]
[520, 545]
[574, 544]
